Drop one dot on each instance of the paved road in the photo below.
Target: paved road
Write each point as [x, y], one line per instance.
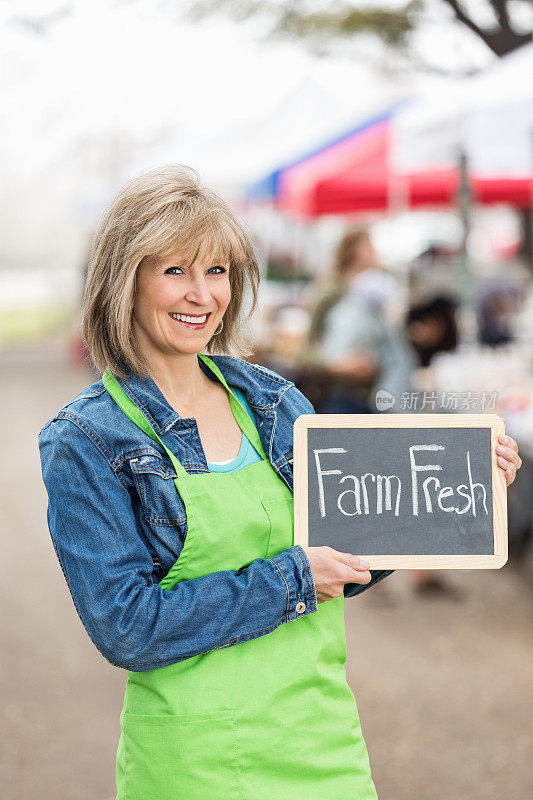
[444, 688]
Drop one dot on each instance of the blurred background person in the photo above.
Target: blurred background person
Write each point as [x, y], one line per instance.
[497, 307]
[432, 328]
[351, 341]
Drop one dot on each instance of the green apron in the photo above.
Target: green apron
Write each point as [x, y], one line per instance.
[272, 718]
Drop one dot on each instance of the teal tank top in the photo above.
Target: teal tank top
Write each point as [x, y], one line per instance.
[247, 454]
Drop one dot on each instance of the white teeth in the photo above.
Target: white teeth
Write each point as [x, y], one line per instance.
[187, 318]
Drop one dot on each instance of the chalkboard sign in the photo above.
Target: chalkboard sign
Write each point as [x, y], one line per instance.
[411, 491]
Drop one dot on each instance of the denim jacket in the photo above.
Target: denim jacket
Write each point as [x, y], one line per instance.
[118, 524]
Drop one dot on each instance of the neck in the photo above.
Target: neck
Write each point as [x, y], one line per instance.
[179, 378]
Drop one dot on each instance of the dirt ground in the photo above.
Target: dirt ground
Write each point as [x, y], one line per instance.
[444, 686]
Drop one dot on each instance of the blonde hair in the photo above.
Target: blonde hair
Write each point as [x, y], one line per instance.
[344, 254]
[333, 288]
[159, 212]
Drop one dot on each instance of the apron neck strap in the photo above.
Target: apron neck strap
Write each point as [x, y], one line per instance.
[137, 417]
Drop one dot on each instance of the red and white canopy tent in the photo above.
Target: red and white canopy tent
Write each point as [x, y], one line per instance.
[409, 158]
[359, 174]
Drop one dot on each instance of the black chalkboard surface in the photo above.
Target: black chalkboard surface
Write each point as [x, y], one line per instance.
[419, 490]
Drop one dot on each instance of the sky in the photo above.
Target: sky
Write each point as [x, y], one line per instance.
[111, 68]
[113, 87]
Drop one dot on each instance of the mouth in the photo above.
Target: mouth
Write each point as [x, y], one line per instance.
[194, 322]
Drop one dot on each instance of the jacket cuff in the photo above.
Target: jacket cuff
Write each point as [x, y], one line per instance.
[295, 570]
[351, 589]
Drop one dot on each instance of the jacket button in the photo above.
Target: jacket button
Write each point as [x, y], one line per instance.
[300, 607]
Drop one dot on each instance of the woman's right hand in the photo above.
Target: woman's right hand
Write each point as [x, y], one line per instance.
[332, 569]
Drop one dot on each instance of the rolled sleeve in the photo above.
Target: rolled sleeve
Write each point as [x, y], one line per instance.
[295, 570]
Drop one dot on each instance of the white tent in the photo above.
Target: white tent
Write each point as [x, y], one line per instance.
[488, 117]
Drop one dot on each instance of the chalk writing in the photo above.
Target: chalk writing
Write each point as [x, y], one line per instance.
[373, 493]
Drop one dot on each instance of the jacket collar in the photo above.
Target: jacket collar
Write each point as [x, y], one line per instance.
[262, 389]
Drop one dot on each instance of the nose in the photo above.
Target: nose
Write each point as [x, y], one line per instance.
[198, 291]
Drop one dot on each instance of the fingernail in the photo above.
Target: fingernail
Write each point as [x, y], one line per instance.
[364, 564]
[504, 438]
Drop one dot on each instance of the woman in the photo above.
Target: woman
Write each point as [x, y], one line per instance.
[179, 553]
[349, 337]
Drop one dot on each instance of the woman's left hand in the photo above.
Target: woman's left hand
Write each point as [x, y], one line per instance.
[508, 458]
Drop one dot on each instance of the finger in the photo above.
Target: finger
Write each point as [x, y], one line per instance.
[508, 454]
[505, 463]
[510, 475]
[352, 561]
[509, 441]
[356, 577]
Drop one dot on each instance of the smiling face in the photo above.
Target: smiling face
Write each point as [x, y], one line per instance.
[178, 305]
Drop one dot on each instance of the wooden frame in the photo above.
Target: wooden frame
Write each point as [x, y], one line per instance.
[499, 489]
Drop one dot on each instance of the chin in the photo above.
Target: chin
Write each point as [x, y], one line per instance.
[191, 348]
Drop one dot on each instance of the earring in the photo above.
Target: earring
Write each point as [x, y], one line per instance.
[221, 326]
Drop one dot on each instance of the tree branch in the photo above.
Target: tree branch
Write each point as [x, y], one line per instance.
[501, 41]
[345, 20]
[502, 14]
[462, 17]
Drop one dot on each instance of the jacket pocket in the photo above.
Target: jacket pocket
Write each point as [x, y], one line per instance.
[170, 757]
[280, 513]
[154, 481]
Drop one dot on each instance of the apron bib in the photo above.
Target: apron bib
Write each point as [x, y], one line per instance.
[272, 718]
